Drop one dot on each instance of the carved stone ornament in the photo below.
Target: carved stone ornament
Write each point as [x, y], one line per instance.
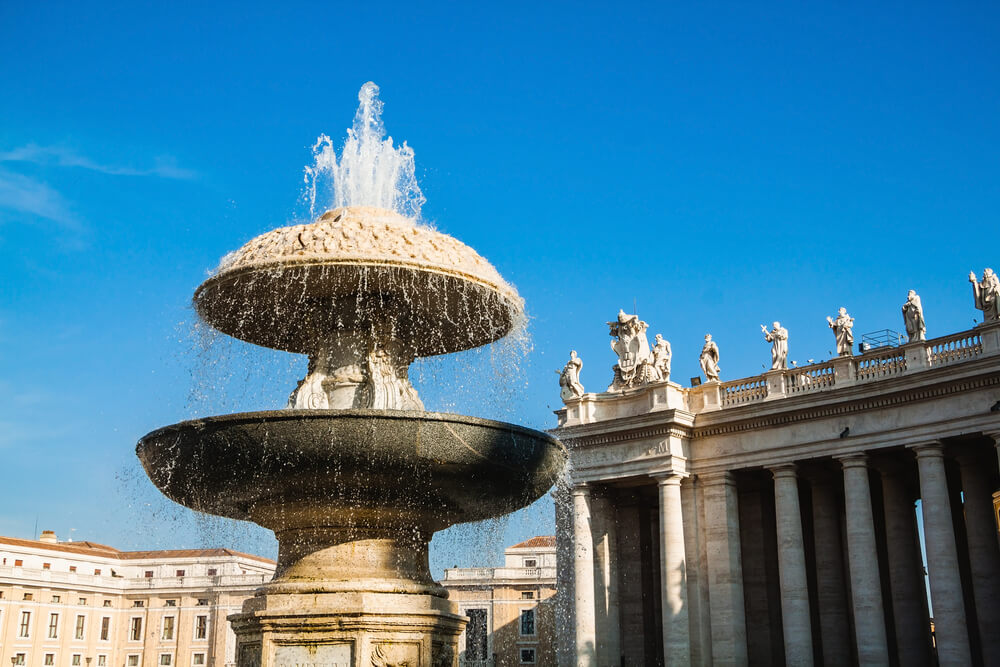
[778, 338]
[986, 294]
[569, 378]
[709, 359]
[843, 331]
[635, 363]
[913, 318]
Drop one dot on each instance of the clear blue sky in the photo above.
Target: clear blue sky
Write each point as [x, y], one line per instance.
[719, 165]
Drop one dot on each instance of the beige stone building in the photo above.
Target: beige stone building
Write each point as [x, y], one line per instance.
[511, 608]
[773, 520]
[81, 603]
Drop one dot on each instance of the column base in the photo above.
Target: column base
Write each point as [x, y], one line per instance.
[347, 629]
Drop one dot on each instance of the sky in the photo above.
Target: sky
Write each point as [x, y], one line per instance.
[711, 166]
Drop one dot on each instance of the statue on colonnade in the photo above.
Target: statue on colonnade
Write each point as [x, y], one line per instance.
[843, 330]
[635, 363]
[987, 294]
[778, 338]
[709, 359]
[569, 378]
[913, 318]
[661, 357]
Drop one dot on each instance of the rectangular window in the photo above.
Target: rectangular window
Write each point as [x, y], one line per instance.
[72, 568]
[201, 627]
[171, 603]
[56, 598]
[105, 628]
[53, 626]
[527, 656]
[46, 566]
[180, 573]
[165, 659]
[76, 659]
[29, 596]
[149, 575]
[138, 603]
[212, 571]
[527, 595]
[50, 658]
[18, 659]
[81, 600]
[198, 659]
[97, 573]
[527, 622]
[18, 563]
[168, 627]
[475, 635]
[107, 603]
[102, 661]
[202, 602]
[135, 629]
[530, 562]
[133, 661]
[80, 620]
[25, 626]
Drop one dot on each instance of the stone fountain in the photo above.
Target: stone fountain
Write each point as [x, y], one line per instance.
[354, 477]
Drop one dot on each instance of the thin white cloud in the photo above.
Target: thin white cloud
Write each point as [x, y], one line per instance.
[23, 194]
[65, 157]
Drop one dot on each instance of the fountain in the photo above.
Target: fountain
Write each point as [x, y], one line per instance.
[354, 477]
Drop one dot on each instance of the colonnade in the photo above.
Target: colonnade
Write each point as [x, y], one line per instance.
[834, 575]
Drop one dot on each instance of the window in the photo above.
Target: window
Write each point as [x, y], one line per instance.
[171, 603]
[56, 598]
[201, 627]
[165, 659]
[133, 661]
[105, 628]
[25, 626]
[76, 659]
[107, 603]
[530, 562]
[138, 603]
[50, 658]
[198, 659]
[97, 573]
[527, 622]
[81, 600]
[475, 635]
[18, 563]
[202, 602]
[180, 573]
[149, 575]
[53, 626]
[168, 627]
[80, 620]
[527, 656]
[18, 659]
[72, 568]
[135, 629]
[46, 566]
[102, 661]
[527, 595]
[212, 571]
[29, 596]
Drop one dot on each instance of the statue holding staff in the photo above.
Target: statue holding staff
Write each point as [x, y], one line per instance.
[987, 294]
[913, 318]
[843, 330]
[710, 359]
[569, 378]
[778, 338]
[661, 357]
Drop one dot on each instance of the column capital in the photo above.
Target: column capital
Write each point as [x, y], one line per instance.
[784, 470]
[853, 460]
[718, 478]
[669, 477]
[928, 448]
[581, 489]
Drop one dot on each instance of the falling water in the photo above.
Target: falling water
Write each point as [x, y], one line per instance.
[370, 171]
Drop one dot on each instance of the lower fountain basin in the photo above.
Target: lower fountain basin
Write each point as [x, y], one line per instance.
[351, 467]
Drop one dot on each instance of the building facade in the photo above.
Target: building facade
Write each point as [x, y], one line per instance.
[511, 609]
[87, 604]
[774, 520]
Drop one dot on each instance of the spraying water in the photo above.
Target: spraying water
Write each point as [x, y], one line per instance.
[370, 171]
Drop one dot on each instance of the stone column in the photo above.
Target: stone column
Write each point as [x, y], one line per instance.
[866, 589]
[796, 622]
[697, 590]
[583, 561]
[984, 553]
[942, 558]
[831, 589]
[906, 577]
[725, 571]
[673, 572]
[608, 618]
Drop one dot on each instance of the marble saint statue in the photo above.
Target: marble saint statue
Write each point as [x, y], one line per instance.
[635, 363]
[569, 378]
[778, 338]
[987, 295]
[843, 331]
[661, 357]
[913, 318]
[710, 359]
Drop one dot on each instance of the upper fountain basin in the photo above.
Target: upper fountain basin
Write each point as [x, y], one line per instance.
[288, 467]
[363, 269]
